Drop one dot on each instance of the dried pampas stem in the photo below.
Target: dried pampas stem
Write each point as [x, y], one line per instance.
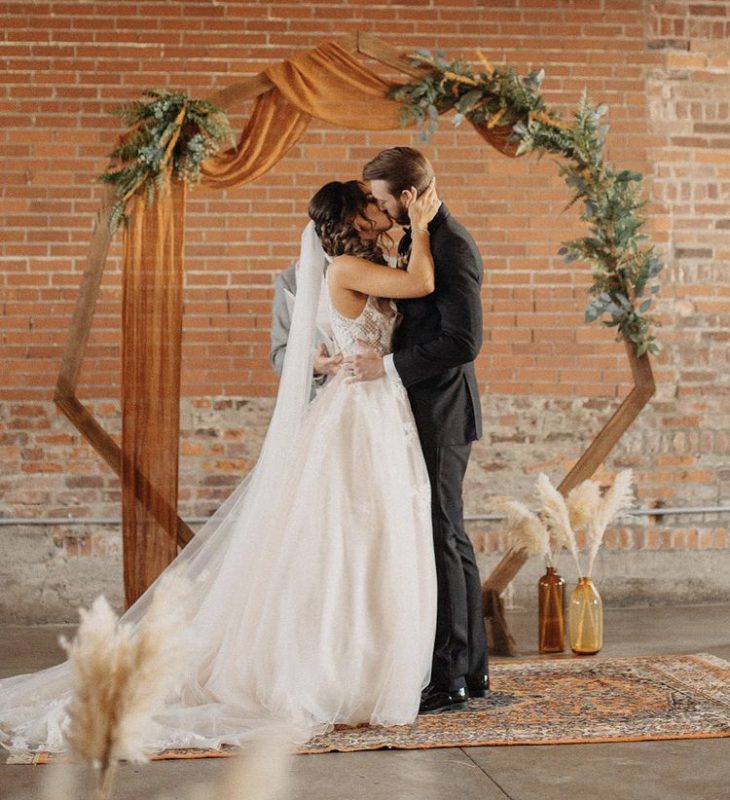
[260, 772]
[617, 498]
[556, 513]
[526, 529]
[120, 674]
[583, 502]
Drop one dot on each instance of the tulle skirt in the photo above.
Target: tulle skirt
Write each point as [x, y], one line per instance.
[313, 600]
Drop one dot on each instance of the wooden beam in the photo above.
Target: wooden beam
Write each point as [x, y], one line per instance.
[80, 328]
[594, 455]
[378, 50]
[617, 425]
[242, 91]
[72, 360]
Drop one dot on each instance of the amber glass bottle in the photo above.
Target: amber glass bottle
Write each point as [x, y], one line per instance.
[551, 612]
[585, 619]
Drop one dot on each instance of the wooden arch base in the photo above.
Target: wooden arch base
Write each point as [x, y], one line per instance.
[501, 641]
[83, 420]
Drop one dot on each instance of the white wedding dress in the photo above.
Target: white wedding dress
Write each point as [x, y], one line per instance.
[314, 599]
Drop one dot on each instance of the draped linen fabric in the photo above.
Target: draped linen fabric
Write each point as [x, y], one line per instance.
[327, 83]
[274, 128]
[332, 85]
[152, 304]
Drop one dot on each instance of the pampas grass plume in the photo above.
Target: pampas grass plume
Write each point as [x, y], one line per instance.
[616, 499]
[261, 772]
[526, 529]
[583, 502]
[557, 515]
[120, 675]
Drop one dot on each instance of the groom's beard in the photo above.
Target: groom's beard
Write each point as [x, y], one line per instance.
[402, 218]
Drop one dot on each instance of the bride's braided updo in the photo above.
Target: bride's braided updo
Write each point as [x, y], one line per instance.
[333, 210]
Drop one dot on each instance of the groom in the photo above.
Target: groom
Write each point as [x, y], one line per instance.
[433, 353]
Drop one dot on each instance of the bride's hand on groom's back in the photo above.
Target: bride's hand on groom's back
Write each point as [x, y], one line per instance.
[367, 365]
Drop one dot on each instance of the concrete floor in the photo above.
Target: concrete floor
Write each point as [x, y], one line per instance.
[675, 770]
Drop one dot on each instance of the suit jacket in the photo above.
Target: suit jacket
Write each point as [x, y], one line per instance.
[440, 336]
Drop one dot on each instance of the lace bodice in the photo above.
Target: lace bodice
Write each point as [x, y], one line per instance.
[374, 326]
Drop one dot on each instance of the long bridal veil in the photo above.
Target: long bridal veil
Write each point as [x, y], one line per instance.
[234, 549]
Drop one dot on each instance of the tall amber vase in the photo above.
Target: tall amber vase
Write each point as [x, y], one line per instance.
[551, 612]
[585, 619]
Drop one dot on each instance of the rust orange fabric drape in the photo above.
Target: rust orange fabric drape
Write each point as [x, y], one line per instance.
[332, 85]
[326, 83]
[274, 128]
[152, 300]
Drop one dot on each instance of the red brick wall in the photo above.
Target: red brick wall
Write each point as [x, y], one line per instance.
[661, 67]
[69, 64]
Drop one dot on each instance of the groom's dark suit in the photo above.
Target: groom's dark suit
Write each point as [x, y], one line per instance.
[434, 350]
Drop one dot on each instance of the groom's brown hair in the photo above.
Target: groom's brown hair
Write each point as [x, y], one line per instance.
[400, 168]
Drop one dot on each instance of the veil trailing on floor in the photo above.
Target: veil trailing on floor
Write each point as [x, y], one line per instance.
[231, 549]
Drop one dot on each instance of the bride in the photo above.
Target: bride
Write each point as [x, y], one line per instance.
[313, 589]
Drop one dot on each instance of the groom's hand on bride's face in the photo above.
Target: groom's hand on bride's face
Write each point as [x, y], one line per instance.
[367, 365]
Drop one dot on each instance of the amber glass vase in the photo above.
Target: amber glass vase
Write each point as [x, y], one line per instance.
[551, 612]
[585, 619]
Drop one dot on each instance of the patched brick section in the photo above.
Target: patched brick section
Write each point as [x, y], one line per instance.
[679, 461]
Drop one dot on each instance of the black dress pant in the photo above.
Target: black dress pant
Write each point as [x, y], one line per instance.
[460, 647]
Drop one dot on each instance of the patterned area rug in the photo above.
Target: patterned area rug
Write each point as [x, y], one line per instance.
[558, 701]
[570, 701]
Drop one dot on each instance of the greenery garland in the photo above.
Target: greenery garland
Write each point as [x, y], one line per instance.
[625, 265]
[171, 132]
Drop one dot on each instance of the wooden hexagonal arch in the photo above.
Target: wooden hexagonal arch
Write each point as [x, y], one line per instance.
[67, 383]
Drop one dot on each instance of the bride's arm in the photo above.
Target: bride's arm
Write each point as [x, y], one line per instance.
[359, 275]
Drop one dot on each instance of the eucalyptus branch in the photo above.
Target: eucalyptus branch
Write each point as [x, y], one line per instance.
[172, 133]
[625, 266]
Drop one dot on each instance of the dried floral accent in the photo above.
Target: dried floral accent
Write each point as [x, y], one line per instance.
[547, 119]
[558, 518]
[496, 118]
[261, 772]
[618, 498]
[526, 530]
[583, 504]
[556, 513]
[452, 76]
[488, 66]
[120, 675]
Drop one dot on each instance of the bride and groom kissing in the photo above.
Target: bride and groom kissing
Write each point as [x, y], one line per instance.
[337, 584]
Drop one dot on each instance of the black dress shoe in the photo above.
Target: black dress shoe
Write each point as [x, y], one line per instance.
[479, 686]
[436, 701]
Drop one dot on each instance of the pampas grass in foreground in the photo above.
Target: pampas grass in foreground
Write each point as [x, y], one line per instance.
[261, 772]
[120, 675]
